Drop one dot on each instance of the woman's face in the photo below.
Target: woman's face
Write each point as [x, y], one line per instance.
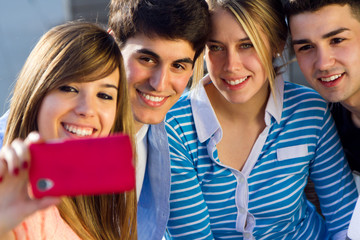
[78, 110]
[233, 64]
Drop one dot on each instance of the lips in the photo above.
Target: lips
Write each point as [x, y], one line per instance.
[236, 81]
[79, 131]
[331, 78]
[152, 100]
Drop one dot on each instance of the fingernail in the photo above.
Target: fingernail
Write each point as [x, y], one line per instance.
[16, 171]
[25, 165]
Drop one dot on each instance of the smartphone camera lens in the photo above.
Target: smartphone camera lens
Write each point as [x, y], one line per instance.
[44, 184]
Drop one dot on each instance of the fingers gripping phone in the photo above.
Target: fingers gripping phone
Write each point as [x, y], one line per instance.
[82, 167]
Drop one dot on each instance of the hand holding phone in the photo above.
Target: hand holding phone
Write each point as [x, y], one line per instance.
[89, 166]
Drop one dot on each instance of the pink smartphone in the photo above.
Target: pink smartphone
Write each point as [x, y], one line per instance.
[82, 166]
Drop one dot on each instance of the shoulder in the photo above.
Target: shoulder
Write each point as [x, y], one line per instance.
[181, 109]
[302, 96]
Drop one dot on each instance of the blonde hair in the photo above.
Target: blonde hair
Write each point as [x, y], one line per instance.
[77, 52]
[266, 14]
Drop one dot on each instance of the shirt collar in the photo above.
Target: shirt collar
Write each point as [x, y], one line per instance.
[274, 106]
[205, 120]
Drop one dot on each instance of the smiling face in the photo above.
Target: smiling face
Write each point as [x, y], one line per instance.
[234, 66]
[327, 47]
[157, 72]
[79, 109]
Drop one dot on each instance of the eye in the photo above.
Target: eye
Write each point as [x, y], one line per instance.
[178, 66]
[336, 40]
[104, 96]
[67, 88]
[304, 48]
[214, 48]
[246, 45]
[147, 60]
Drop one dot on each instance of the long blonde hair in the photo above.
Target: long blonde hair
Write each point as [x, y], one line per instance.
[77, 52]
[255, 16]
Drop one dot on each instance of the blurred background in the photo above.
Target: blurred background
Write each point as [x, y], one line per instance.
[23, 22]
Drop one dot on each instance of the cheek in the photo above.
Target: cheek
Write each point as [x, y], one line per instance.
[48, 116]
[135, 74]
[181, 82]
[213, 63]
[108, 119]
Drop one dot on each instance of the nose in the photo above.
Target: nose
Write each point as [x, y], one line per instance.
[232, 62]
[159, 79]
[324, 59]
[85, 106]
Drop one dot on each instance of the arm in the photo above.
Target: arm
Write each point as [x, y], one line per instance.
[333, 180]
[15, 202]
[189, 217]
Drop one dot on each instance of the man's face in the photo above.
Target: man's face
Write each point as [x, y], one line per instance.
[157, 71]
[327, 48]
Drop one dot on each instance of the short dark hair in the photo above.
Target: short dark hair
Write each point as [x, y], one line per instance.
[187, 20]
[294, 7]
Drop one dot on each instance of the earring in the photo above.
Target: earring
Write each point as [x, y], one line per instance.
[278, 54]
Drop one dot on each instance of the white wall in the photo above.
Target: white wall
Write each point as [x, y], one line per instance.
[22, 22]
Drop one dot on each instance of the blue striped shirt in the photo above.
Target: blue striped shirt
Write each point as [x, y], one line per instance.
[265, 200]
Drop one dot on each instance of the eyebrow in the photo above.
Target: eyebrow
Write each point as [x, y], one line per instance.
[106, 85]
[327, 35]
[151, 53]
[240, 40]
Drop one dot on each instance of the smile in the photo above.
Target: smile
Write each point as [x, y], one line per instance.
[152, 98]
[332, 78]
[79, 131]
[236, 82]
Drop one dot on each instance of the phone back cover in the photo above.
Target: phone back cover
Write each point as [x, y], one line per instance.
[83, 167]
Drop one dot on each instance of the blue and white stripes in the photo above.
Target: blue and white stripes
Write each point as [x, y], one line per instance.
[266, 201]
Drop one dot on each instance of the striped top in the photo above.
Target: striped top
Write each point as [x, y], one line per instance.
[266, 199]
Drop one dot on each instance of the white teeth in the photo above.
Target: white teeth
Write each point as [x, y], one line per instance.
[236, 82]
[79, 131]
[332, 78]
[152, 98]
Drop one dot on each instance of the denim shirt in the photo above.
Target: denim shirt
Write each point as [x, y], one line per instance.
[3, 121]
[153, 206]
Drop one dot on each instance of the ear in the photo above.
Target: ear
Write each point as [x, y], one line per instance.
[277, 52]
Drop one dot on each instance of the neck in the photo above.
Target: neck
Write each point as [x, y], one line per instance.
[253, 109]
[138, 125]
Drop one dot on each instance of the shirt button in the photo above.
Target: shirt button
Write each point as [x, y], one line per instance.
[241, 179]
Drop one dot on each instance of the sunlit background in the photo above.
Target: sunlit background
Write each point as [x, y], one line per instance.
[23, 22]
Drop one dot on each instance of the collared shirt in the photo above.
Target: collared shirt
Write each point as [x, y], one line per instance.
[153, 206]
[266, 199]
[354, 230]
[141, 154]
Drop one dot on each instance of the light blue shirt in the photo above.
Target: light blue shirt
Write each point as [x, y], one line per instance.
[153, 206]
[3, 121]
[265, 200]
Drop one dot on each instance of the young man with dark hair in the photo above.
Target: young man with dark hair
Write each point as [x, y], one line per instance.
[325, 35]
[160, 40]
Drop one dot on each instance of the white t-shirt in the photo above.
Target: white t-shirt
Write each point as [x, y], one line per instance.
[354, 230]
[141, 151]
